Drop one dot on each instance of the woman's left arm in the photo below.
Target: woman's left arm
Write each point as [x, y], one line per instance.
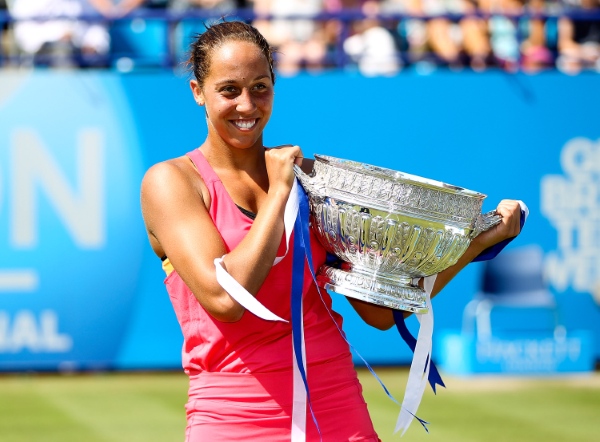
[509, 227]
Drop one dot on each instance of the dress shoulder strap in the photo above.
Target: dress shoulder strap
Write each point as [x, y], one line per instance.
[202, 166]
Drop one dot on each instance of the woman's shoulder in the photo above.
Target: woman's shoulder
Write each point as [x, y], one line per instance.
[173, 168]
[176, 175]
[171, 185]
[168, 172]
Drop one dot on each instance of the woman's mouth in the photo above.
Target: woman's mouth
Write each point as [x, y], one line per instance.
[245, 123]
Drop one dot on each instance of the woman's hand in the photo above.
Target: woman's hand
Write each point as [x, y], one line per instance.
[280, 166]
[509, 226]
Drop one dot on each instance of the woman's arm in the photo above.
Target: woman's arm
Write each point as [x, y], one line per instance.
[382, 317]
[179, 225]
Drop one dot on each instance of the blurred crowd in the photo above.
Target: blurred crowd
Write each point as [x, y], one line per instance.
[376, 37]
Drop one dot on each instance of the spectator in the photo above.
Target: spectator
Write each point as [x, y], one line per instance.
[217, 6]
[3, 29]
[186, 30]
[64, 40]
[372, 45]
[455, 42]
[299, 42]
[461, 41]
[411, 32]
[535, 54]
[518, 42]
[579, 40]
[476, 38]
[503, 28]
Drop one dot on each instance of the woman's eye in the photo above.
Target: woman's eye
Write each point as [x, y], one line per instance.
[260, 87]
[229, 90]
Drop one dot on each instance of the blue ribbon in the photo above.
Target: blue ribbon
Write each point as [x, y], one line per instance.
[299, 255]
[301, 230]
[489, 253]
[434, 375]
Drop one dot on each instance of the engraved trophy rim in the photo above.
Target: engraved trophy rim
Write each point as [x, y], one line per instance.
[397, 176]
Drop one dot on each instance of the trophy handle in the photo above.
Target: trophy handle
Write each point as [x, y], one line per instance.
[486, 221]
[305, 180]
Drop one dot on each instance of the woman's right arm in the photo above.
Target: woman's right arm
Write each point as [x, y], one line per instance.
[178, 221]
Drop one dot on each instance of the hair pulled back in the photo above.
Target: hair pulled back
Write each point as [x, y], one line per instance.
[215, 36]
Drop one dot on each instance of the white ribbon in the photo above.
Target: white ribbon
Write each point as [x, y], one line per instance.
[241, 295]
[289, 218]
[524, 208]
[419, 368]
[250, 303]
[236, 290]
[300, 396]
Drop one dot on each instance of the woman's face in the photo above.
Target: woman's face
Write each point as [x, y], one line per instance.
[237, 94]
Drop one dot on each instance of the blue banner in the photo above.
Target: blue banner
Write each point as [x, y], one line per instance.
[80, 287]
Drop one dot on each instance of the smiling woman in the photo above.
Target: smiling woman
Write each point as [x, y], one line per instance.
[227, 199]
[221, 209]
[237, 95]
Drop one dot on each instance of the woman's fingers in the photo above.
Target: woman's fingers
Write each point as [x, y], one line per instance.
[280, 161]
[509, 226]
[511, 218]
[287, 152]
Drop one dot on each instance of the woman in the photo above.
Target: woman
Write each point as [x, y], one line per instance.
[227, 199]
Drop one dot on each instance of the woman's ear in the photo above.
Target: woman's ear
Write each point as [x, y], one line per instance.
[197, 92]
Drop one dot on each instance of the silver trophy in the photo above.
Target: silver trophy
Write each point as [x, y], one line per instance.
[388, 228]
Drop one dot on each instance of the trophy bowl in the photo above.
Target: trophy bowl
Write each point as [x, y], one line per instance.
[388, 228]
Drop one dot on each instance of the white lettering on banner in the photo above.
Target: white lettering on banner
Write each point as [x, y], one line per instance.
[529, 354]
[19, 280]
[33, 166]
[27, 332]
[572, 205]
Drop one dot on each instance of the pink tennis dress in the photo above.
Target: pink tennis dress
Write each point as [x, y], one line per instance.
[241, 373]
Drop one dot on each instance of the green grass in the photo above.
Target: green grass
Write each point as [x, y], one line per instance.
[149, 407]
[491, 409]
[93, 408]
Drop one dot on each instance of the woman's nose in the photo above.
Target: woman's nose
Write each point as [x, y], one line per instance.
[245, 102]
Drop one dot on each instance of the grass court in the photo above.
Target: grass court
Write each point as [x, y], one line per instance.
[148, 407]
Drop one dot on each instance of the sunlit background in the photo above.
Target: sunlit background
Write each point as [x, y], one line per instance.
[497, 96]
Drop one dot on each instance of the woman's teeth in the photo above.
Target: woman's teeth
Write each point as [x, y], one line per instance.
[245, 124]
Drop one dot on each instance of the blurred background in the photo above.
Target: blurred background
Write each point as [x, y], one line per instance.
[497, 96]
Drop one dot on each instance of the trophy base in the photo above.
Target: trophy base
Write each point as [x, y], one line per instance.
[386, 290]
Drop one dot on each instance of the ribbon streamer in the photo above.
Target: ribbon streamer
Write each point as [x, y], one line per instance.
[430, 370]
[235, 289]
[292, 222]
[303, 215]
[420, 366]
[301, 392]
[300, 383]
[241, 295]
[289, 218]
[434, 376]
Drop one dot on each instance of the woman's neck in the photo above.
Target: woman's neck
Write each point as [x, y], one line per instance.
[223, 156]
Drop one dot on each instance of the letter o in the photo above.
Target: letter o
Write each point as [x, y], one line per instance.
[577, 157]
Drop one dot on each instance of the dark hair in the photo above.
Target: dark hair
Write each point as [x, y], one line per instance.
[216, 35]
